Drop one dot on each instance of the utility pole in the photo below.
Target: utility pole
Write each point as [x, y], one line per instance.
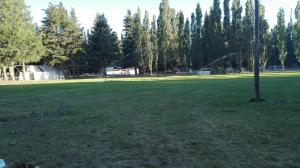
[256, 60]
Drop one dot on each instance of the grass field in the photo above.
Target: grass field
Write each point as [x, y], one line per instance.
[176, 122]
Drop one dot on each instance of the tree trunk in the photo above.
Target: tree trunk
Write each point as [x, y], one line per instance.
[283, 67]
[4, 73]
[12, 73]
[24, 71]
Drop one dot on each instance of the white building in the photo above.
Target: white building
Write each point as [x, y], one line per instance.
[41, 72]
[117, 71]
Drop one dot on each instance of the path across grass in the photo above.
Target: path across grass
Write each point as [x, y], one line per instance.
[152, 122]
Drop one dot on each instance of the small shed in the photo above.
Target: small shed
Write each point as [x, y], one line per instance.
[41, 72]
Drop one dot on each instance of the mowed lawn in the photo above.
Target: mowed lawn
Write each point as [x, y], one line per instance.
[176, 122]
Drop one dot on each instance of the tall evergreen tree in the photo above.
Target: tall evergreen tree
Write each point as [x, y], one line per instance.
[128, 44]
[62, 35]
[103, 45]
[281, 36]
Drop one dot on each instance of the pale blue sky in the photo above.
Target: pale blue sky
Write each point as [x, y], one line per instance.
[115, 10]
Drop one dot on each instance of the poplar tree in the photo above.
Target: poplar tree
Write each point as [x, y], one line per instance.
[265, 38]
[291, 57]
[297, 31]
[236, 32]
[186, 44]
[217, 45]
[138, 61]
[281, 36]
[147, 44]
[248, 33]
[206, 38]
[197, 58]
[154, 43]
[164, 31]
[226, 25]
[181, 39]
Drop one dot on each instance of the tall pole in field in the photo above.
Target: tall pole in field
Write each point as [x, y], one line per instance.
[256, 60]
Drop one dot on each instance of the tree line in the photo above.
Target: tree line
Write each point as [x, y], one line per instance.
[168, 43]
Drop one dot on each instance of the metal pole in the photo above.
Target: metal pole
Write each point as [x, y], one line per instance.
[256, 61]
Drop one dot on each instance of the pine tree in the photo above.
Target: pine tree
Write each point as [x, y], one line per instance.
[248, 33]
[103, 45]
[281, 36]
[128, 44]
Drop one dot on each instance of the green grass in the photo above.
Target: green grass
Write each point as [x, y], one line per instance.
[152, 122]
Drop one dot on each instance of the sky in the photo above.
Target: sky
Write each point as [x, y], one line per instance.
[115, 10]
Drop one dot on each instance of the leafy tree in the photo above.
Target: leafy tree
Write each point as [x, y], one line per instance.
[265, 38]
[291, 57]
[138, 36]
[172, 49]
[186, 44]
[181, 39]
[154, 43]
[76, 44]
[19, 43]
[197, 59]
[217, 45]
[147, 44]
[248, 33]
[226, 25]
[206, 38]
[281, 36]
[103, 45]
[236, 32]
[297, 31]
[164, 33]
